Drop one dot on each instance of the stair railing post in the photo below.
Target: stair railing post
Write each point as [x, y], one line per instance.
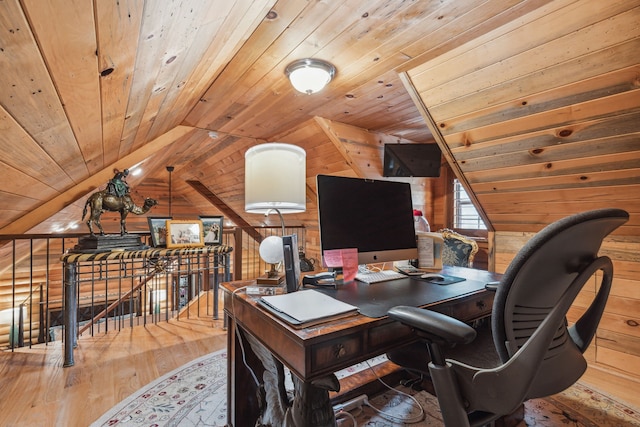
[70, 313]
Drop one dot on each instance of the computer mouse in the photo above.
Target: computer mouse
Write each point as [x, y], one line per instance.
[432, 276]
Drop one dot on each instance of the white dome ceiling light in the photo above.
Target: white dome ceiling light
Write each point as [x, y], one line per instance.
[310, 75]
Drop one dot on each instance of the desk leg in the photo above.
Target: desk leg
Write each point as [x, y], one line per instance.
[310, 406]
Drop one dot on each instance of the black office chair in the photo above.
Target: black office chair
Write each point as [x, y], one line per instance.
[537, 354]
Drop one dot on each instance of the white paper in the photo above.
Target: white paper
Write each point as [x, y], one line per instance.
[426, 258]
[307, 305]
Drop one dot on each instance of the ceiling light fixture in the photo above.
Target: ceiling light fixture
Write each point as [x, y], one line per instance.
[310, 75]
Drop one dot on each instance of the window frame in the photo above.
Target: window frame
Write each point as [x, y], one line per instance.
[474, 232]
[465, 214]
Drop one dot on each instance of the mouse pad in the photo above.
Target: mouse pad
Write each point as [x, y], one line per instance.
[376, 299]
[446, 280]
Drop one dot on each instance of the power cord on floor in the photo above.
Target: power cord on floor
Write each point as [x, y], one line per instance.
[341, 410]
[239, 336]
[364, 401]
[344, 409]
[408, 420]
[346, 414]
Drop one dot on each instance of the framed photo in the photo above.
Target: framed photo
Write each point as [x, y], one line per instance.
[184, 233]
[212, 226]
[158, 229]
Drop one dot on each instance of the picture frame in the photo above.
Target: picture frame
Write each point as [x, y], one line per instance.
[212, 229]
[184, 233]
[158, 230]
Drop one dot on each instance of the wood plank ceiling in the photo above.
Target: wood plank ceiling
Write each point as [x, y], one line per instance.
[86, 87]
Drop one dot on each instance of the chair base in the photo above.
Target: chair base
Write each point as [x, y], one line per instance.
[419, 382]
[511, 420]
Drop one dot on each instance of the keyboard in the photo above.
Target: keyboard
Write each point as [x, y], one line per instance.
[379, 276]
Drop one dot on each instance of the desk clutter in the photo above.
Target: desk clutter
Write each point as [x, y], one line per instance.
[375, 299]
[306, 308]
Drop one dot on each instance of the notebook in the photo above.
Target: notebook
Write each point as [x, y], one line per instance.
[306, 307]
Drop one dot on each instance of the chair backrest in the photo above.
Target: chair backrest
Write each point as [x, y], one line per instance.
[457, 250]
[540, 354]
[548, 271]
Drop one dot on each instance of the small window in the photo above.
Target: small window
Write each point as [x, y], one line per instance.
[465, 215]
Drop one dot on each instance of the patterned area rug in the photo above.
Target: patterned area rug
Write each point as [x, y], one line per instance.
[195, 395]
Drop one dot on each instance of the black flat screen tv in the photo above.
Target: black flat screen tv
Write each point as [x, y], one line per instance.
[373, 216]
[412, 160]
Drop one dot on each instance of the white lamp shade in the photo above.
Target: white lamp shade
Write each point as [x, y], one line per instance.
[275, 178]
[159, 295]
[9, 315]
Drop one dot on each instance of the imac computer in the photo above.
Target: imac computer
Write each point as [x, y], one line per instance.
[373, 216]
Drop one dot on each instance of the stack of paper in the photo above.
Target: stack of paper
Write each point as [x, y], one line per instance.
[306, 307]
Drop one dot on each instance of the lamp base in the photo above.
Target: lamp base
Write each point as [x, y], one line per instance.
[270, 281]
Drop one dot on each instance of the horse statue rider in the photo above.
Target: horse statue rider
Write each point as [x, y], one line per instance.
[117, 185]
[115, 198]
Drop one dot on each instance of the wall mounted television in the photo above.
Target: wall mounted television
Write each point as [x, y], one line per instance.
[373, 216]
[412, 160]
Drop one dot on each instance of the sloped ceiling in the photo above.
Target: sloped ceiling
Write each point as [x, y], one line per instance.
[542, 124]
[89, 87]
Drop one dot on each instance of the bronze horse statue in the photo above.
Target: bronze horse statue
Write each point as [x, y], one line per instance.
[102, 201]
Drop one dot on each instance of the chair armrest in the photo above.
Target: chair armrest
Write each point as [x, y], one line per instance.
[492, 286]
[432, 325]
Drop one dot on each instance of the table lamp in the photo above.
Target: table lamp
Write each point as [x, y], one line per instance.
[14, 317]
[275, 181]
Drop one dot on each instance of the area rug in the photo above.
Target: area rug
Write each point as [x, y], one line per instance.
[194, 395]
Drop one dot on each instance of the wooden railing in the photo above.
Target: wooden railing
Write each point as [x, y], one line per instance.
[155, 283]
[32, 291]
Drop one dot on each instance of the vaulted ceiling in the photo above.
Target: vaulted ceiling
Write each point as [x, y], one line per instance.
[542, 88]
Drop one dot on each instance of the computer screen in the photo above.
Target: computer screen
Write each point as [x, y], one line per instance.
[373, 216]
[417, 160]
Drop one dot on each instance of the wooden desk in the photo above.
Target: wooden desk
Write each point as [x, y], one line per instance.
[313, 354]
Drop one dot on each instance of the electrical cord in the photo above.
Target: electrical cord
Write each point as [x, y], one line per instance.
[341, 412]
[347, 414]
[239, 336]
[409, 420]
[368, 268]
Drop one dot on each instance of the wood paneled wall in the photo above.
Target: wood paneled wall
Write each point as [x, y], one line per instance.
[540, 120]
[617, 343]
[335, 148]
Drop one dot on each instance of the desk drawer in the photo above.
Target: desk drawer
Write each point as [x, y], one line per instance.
[473, 308]
[335, 352]
[388, 334]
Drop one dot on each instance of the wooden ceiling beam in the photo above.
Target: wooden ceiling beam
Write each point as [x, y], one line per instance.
[216, 201]
[359, 147]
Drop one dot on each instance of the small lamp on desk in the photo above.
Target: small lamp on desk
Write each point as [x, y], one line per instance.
[275, 181]
[272, 253]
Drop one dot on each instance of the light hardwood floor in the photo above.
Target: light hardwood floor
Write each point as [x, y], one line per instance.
[35, 390]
